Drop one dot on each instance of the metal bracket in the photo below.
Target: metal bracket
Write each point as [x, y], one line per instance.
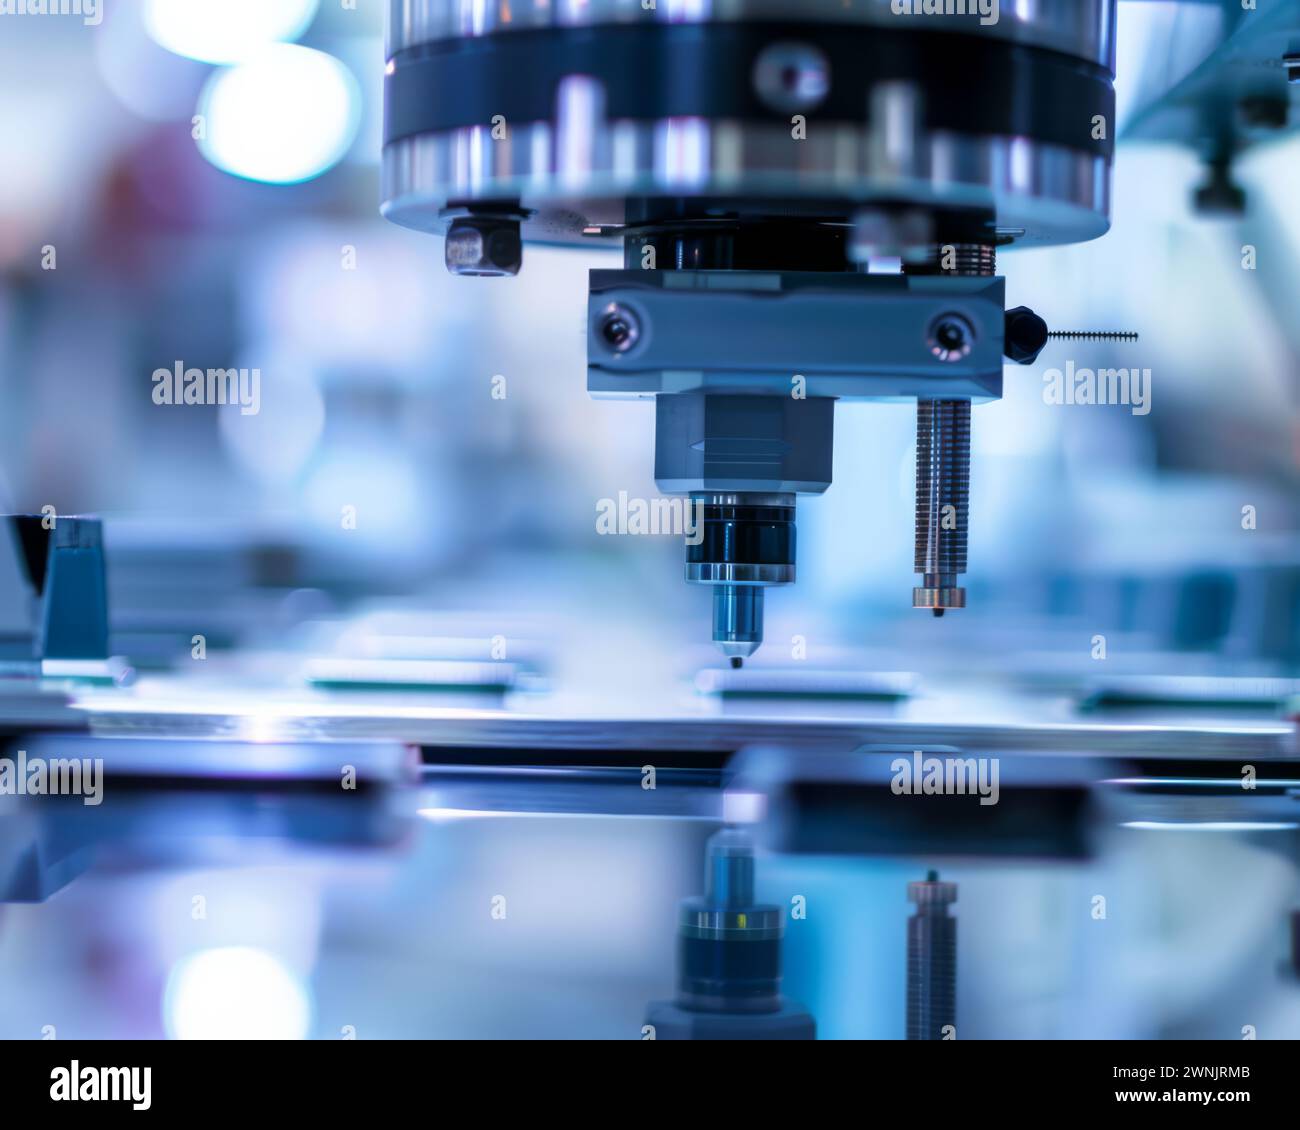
[878, 337]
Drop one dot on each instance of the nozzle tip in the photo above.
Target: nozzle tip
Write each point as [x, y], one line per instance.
[737, 662]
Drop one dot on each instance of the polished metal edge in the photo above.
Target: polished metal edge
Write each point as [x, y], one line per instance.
[1082, 28]
[575, 176]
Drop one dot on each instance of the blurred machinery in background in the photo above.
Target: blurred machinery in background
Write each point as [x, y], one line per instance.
[729, 959]
[53, 595]
[932, 961]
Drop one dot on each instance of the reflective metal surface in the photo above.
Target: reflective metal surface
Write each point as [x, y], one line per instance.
[575, 169]
[1056, 195]
[974, 721]
[1084, 28]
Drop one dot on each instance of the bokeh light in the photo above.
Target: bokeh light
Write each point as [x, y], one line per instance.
[226, 31]
[284, 115]
[235, 993]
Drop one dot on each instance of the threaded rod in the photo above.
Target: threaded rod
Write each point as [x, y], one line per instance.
[942, 502]
[943, 457]
[1092, 335]
[931, 961]
[956, 259]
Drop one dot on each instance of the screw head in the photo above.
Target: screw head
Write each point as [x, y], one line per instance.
[618, 328]
[484, 246]
[951, 337]
[790, 77]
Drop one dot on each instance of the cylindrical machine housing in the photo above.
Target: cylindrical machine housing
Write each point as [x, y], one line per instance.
[571, 114]
[729, 946]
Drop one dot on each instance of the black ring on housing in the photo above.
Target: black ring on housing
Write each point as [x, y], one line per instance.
[730, 971]
[972, 85]
[744, 535]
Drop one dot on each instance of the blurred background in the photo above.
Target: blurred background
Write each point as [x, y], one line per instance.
[198, 183]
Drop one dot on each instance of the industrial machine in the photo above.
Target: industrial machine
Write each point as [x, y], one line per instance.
[367, 741]
[810, 198]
